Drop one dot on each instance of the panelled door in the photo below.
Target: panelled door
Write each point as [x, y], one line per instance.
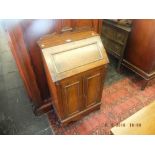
[72, 95]
[93, 86]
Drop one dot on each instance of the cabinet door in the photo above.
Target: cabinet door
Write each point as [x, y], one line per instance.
[93, 86]
[72, 95]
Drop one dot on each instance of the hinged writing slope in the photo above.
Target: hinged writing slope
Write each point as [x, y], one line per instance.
[74, 57]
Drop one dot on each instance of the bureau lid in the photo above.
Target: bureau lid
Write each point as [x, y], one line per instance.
[71, 58]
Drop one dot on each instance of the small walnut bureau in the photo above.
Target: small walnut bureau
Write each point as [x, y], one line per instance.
[75, 65]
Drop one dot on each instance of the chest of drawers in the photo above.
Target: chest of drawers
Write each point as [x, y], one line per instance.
[114, 37]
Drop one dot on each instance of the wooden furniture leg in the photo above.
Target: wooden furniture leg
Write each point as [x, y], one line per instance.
[145, 83]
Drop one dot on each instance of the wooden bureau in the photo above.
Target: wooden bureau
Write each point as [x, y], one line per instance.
[75, 66]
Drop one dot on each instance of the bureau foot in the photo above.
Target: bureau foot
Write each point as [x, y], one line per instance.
[80, 115]
[145, 83]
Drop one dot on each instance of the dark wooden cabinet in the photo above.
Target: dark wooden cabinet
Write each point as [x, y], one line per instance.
[140, 52]
[23, 36]
[75, 64]
[114, 37]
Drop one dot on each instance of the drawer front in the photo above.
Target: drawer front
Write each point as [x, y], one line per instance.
[114, 34]
[112, 46]
[120, 37]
